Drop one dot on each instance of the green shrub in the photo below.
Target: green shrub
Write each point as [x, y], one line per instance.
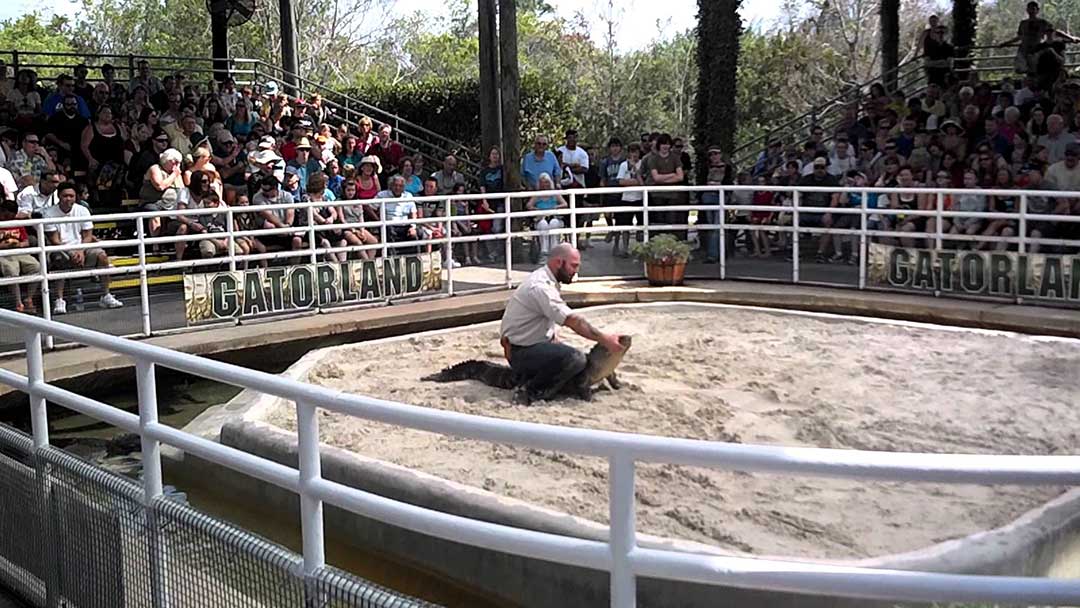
[663, 249]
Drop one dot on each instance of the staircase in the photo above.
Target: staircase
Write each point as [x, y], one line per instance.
[342, 108]
[988, 63]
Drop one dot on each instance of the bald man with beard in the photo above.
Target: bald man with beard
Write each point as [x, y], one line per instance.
[541, 364]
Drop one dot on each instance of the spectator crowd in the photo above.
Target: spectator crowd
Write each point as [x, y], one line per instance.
[174, 144]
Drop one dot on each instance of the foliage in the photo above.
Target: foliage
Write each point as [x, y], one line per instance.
[449, 106]
[964, 14]
[662, 249]
[329, 45]
[715, 112]
[31, 33]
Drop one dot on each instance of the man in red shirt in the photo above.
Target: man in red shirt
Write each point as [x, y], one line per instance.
[17, 264]
[390, 152]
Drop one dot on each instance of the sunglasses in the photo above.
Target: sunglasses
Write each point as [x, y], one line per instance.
[161, 140]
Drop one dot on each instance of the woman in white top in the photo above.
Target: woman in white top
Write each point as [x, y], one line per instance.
[629, 176]
[546, 224]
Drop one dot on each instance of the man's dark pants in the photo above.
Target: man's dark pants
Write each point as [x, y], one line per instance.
[543, 369]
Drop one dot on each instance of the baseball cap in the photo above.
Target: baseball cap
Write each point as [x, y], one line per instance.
[263, 157]
[821, 161]
[271, 88]
[266, 142]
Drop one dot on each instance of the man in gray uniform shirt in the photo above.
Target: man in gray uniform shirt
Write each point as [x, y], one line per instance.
[541, 364]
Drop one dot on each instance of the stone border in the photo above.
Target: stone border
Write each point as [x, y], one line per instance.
[1026, 546]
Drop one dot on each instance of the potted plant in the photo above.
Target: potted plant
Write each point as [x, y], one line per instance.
[665, 259]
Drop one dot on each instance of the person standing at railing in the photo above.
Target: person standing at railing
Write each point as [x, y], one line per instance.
[609, 178]
[719, 175]
[541, 160]
[662, 168]
[541, 364]
[937, 56]
[68, 234]
[492, 181]
[1031, 33]
[17, 265]
[629, 176]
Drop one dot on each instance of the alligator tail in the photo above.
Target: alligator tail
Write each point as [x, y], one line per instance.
[491, 374]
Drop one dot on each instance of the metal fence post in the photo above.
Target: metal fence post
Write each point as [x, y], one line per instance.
[35, 376]
[645, 214]
[382, 227]
[311, 508]
[230, 226]
[152, 490]
[144, 284]
[449, 249]
[509, 242]
[1021, 246]
[46, 295]
[623, 537]
[795, 237]
[722, 232]
[573, 220]
[312, 234]
[862, 239]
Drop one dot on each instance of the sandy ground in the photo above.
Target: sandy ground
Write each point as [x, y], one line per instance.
[752, 377]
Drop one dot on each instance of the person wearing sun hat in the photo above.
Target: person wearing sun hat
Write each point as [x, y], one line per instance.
[304, 164]
[367, 182]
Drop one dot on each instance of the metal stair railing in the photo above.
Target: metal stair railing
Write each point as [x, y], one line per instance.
[350, 109]
[908, 74]
[415, 138]
[986, 62]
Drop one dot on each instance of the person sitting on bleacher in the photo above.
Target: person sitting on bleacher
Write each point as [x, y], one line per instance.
[68, 234]
[161, 187]
[36, 197]
[17, 265]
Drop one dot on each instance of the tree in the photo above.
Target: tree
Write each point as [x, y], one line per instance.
[29, 33]
[719, 29]
[964, 16]
[890, 41]
[332, 36]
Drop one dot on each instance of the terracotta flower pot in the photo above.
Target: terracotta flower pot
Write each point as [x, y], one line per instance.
[660, 275]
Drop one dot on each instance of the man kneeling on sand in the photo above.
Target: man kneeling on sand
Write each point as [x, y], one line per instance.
[543, 365]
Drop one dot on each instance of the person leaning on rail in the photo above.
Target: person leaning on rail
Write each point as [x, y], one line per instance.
[541, 364]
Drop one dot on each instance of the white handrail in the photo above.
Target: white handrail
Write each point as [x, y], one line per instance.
[314, 248]
[622, 557]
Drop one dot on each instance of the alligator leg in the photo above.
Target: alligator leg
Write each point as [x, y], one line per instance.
[613, 382]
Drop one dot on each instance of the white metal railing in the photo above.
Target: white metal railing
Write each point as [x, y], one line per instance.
[506, 219]
[620, 555]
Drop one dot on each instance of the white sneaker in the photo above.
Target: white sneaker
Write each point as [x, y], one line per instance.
[109, 301]
[453, 264]
[59, 307]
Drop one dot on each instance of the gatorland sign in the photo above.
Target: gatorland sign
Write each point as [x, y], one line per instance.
[998, 273]
[249, 293]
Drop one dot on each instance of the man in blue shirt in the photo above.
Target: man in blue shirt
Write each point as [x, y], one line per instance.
[542, 160]
[65, 85]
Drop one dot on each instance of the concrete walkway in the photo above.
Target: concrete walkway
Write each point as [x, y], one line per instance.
[256, 338]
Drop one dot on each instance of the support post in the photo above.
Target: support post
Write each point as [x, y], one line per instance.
[144, 289]
[489, 76]
[511, 94]
[795, 237]
[290, 61]
[311, 508]
[508, 243]
[219, 40]
[623, 536]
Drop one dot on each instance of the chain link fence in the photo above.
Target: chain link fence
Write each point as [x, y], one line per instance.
[74, 534]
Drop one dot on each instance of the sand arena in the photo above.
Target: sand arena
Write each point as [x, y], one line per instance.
[752, 376]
